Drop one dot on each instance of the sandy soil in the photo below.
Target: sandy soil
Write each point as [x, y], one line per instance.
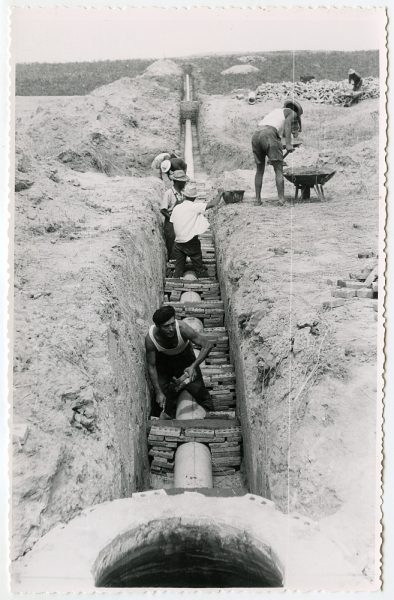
[86, 286]
[312, 393]
[85, 289]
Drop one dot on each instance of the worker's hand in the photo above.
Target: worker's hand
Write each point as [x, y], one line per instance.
[160, 399]
[289, 148]
[191, 372]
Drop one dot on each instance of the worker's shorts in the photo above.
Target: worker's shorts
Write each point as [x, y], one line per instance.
[266, 142]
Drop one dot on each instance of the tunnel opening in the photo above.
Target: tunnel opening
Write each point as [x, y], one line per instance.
[173, 554]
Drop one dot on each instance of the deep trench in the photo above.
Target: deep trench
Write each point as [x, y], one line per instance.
[186, 555]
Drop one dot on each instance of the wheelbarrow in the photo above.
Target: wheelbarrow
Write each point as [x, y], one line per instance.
[305, 179]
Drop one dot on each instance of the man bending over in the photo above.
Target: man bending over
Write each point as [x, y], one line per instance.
[171, 359]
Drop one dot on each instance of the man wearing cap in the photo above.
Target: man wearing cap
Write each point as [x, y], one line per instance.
[267, 142]
[189, 222]
[171, 198]
[170, 356]
[163, 161]
[168, 167]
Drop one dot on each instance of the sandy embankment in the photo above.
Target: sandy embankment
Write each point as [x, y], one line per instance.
[89, 266]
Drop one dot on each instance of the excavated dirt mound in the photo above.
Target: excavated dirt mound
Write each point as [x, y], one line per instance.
[118, 129]
[240, 70]
[89, 267]
[162, 68]
[309, 374]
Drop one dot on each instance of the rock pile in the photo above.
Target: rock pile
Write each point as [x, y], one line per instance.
[363, 284]
[323, 92]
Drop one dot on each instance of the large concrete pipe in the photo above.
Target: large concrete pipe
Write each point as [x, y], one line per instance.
[187, 87]
[188, 408]
[193, 466]
[252, 98]
[190, 275]
[189, 149]
[194, 323]
[190, 297]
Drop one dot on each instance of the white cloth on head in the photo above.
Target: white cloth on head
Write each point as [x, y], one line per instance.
[159, 159]
[276, 118]
[189, 220]
[170, 198]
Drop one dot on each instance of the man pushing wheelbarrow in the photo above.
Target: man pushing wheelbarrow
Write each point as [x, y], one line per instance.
[267, 142]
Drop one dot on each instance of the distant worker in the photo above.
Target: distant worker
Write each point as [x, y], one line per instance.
[355, 79]
[169, 166]
[354, 96]
[267, 142]
[189, 222]
[171, 198]
[171, 359]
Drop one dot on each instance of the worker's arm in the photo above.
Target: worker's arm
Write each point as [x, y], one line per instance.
[215, 201]
[165, 213]
[200, 340]
[164, 206]
[287, 129]
[152, 370]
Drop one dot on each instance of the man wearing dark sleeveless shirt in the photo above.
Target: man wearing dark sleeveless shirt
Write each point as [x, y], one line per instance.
[170, 354]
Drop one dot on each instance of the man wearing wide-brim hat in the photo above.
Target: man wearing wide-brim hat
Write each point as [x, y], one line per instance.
[171, 198]
[189, 222]
[169, 166]
[267, 143]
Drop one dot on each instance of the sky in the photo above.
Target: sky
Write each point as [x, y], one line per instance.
[78, 34]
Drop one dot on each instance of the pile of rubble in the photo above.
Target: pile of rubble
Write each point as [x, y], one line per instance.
[363, 284]
[323, 92]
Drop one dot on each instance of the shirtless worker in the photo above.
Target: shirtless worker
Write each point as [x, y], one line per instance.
[170, 355]
[267, 142]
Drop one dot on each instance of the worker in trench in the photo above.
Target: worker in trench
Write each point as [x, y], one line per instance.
[166, 163]
[267, 142]
[189, 222]
[172, 364]
[171, 198]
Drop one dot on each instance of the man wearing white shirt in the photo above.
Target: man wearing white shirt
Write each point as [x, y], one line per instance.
[171, 198]
[189, 222]
[267, 142]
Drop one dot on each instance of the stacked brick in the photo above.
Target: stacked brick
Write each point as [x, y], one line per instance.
[223, 438]
[363, 284]
[211, 313]
[208, 289]
[220, 382]
[322, 92]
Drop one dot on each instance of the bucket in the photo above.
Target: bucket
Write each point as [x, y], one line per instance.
[252, 98]
[233, 196]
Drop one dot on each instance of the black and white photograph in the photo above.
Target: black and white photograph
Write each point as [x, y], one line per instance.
[196, 322]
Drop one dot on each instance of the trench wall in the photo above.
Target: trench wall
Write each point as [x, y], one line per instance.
[89, 269]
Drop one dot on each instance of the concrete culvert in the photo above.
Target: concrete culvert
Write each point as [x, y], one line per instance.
[171, 554]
